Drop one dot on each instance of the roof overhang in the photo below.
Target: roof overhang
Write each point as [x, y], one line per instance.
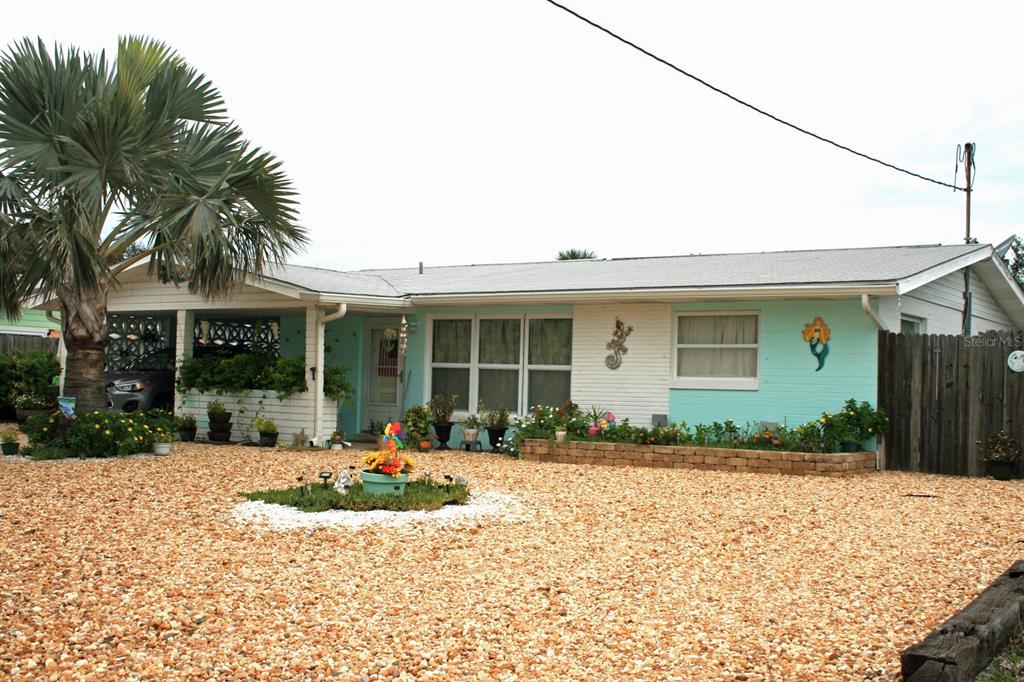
[919, 279]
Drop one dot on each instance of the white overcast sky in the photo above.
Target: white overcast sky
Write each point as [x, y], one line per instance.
[462, 132]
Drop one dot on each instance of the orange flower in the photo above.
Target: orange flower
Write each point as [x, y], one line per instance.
[817, 331]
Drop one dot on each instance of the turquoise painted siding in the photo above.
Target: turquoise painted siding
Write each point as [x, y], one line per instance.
[344, 339]
[790, 391]
[293, 333]
[415, 364]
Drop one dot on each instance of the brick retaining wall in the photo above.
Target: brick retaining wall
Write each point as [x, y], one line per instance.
[691, 457]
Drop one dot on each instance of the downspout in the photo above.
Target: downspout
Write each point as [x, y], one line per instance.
[865, 302]
[318, 383]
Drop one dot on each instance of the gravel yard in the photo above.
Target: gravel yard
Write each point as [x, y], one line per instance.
[138, 568]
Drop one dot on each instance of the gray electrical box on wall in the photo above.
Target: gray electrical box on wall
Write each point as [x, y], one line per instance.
[659, 420]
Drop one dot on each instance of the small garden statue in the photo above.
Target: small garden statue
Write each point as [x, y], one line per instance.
[343, 482]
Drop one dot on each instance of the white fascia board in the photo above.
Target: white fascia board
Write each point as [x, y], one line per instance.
[361, 301]
[933, 273]
[276, 286]
[662, 295]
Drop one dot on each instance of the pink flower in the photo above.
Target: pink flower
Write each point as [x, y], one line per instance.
[593, 430]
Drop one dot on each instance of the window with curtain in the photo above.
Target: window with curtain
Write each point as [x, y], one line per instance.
[513, 362]
[549, 362]
[499, 360]
[451, 359]
[718, 346]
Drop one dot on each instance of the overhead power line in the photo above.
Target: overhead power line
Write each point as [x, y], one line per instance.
[748, 104]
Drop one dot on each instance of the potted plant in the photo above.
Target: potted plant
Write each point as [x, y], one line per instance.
[471, 427]
[417, 424]
[186, 426]
[338, 440]
[377, 430]
[220, 422]
[442, 407]
[1002, 454]
[857, 423]
[267, 429]
[162, 442]
[9, 441]
[386, 471]
[496, 422]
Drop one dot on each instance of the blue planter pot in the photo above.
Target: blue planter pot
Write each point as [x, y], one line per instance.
[383, 484]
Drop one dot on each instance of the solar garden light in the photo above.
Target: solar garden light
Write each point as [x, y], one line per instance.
[447, 481]
[325, 476]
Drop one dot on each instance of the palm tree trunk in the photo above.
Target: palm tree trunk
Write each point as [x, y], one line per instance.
[84, 318]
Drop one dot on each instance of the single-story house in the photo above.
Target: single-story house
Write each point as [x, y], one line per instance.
[776, 337]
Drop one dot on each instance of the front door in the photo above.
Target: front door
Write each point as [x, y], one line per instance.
[382, 379]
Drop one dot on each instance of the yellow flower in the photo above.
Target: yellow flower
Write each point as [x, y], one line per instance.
[129, 428]
[107, 432]
[97, 426]
[822, 420]
[46, 428]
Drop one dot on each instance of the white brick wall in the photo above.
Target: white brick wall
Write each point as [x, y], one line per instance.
[639, 387]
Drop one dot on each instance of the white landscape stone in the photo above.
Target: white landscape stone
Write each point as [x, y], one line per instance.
[480, 505]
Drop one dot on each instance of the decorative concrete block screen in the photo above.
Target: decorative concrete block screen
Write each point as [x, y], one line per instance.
[691, 457]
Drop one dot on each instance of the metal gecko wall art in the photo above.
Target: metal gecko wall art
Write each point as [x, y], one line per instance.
[817, 334]
[617, 345]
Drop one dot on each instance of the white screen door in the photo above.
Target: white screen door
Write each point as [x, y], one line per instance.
[382, 385]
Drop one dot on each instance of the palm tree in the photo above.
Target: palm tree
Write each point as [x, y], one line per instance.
[106, 165]
[576, 254]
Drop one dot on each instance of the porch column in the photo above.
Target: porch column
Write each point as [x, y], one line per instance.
[184, 337]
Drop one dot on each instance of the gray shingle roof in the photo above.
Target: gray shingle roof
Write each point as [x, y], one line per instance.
[827, 266]
[333, 281]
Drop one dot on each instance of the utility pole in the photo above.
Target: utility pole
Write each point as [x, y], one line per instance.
[968, 167]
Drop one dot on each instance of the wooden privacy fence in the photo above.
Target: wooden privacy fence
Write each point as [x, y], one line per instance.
[943, 394]
[24, 342]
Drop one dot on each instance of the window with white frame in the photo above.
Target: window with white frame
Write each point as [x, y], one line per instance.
[505, 361]
[910, 324]
[716, 349]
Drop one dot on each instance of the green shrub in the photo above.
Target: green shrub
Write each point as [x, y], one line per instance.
[98, 434]
[856, 421]
[417, 420]
[337, 386]
[258, 371]
[30, 374]
[419, 494]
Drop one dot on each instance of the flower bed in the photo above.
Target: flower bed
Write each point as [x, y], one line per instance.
[692, 457]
